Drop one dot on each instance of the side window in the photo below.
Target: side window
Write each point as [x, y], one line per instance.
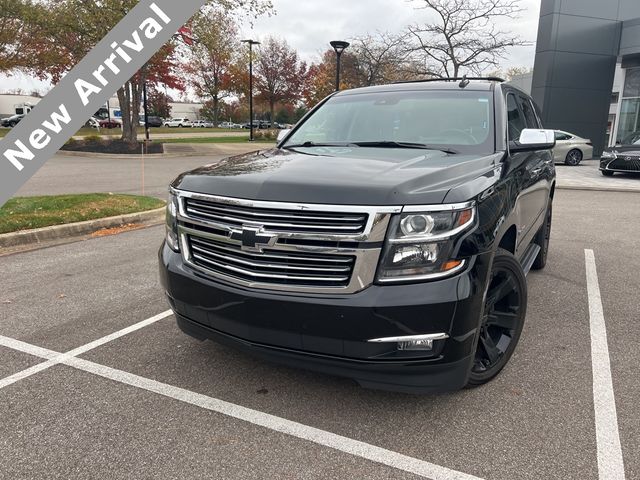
[562, 136]
[516, 121]
[529, 113]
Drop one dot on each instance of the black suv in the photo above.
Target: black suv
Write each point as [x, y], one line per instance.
[385, 239]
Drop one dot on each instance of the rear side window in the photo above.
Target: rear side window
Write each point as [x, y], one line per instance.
[516, 122]
[529, 113]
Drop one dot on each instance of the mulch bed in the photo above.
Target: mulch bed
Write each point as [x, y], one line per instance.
[117, 147]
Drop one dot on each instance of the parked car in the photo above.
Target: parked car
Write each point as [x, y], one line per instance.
[571, 149]
[386, 239]
[93, 122]
[623, 158]
[12, 121]
[110, 124]
[178, 122]
[154, 121]
[229, 125]
[202, 124]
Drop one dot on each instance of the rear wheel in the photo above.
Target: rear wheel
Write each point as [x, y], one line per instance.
[607, 173]
[502, 320]
[542, 239]
[573, 158]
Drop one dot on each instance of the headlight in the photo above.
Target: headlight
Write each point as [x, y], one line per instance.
[420, 245]
[172, 223]
[608, 156]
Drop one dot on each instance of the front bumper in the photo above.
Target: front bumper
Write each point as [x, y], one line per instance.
[330, 333]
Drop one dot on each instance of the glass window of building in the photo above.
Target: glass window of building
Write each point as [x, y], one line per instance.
[630, 108]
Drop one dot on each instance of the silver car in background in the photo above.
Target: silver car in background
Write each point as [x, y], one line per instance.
[571, 149]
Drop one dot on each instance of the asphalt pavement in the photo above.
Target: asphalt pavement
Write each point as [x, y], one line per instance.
[153, 403]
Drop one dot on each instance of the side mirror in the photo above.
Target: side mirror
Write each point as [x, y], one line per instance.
[532, 139]
[282, 134]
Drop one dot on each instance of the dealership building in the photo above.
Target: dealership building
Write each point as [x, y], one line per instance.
[586, 78]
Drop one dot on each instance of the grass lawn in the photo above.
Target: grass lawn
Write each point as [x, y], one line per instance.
[3, 132]
[24, 213]
[214, 140]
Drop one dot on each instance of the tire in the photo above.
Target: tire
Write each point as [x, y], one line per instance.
[502, 319]
[542, 239]
[607, 173]
[573, 158]
[12, 124]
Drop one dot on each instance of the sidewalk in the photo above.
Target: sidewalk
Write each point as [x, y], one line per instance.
[586, 176]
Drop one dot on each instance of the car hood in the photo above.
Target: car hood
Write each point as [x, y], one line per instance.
[628, 149]
[355, 176]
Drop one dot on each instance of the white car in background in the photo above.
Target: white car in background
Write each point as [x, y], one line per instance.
[201, 124]
[571, 149]
[178, 123]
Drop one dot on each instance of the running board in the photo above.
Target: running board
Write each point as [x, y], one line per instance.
[530, 257]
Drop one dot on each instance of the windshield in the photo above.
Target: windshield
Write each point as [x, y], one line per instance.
[455, 121]
[633, 139]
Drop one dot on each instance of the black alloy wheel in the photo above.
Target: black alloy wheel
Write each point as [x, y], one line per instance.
[574, 157]
[502, 319]
[542, 239]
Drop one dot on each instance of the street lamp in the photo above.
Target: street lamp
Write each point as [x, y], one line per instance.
[251, 44]
[339, 46]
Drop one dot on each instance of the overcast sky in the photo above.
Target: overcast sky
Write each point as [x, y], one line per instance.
[309, 25]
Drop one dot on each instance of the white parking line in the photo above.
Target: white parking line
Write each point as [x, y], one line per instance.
[54, 358]
[610, 461]
[255, 417]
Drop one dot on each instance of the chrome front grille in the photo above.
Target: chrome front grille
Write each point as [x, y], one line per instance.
[275, 220]
[297, 248]
[276, 267]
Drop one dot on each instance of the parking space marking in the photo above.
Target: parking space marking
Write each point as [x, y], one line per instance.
[54, 358]
[320, 437]
[610, 460]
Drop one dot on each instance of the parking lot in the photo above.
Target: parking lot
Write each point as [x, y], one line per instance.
[135, 398]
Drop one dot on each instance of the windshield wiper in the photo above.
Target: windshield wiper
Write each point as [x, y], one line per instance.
[394, 144]
[314, 144]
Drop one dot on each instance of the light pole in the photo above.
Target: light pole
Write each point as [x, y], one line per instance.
[339, 46]
[251, 44]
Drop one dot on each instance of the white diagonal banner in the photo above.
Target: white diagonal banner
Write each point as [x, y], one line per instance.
[64, 110]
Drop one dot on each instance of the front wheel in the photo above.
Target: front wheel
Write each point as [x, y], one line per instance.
[574, 157]
[502, 320]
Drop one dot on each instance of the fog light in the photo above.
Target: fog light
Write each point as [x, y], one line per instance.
[415, 345]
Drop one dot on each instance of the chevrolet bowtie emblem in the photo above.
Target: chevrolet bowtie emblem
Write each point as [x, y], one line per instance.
[254, 239]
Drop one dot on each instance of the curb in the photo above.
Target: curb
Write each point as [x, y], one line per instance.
[598, 189]
[113, 156]
[56, 232]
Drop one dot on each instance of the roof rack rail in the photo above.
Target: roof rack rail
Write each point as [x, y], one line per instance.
[453, 79]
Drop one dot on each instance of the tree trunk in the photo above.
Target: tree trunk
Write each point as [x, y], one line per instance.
[216, 111]
[272, 107]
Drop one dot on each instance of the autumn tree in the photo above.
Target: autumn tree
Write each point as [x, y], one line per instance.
[320, 80]
[158, 103]
[463, 38]
[213, 61]
[381, 58]
[20, 22]
[279, 74]
[74, 27]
